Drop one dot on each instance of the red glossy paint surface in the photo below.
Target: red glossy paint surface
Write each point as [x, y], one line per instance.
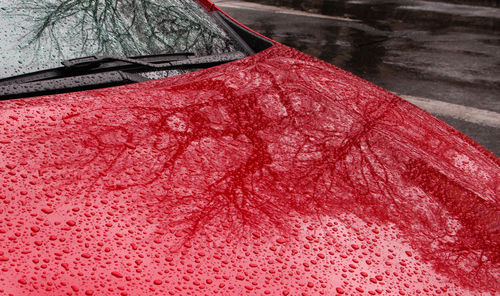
[277, 174]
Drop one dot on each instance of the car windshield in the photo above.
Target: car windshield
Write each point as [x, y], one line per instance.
[38, 35]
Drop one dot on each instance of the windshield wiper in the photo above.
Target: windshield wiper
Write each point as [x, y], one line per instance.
[94, 61]
[99, 64]
[101, 71]
[92, 64]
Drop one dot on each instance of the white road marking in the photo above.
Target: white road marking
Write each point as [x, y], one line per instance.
[460, 112]
[454, 9]
[274, 9]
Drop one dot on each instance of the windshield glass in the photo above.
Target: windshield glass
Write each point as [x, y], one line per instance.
[38, 35]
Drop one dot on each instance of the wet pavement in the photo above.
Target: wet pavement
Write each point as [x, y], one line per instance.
[443, 53]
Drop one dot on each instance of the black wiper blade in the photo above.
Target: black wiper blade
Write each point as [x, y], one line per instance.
[101, 64]
[100, 74]
[94, 61]
[138, 62]
[93, 64]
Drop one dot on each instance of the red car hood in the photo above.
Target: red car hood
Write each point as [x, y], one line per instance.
[275, 174]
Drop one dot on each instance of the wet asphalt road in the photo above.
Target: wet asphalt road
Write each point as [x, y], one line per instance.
[447, 54]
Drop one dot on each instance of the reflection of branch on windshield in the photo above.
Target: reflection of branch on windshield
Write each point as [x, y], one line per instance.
[129, 27]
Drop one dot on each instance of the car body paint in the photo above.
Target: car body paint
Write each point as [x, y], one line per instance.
[274, 174]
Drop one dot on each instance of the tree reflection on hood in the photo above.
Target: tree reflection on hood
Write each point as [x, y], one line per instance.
[204, 150]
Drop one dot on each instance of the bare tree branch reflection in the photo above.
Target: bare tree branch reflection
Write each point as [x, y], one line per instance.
[129, 27]
[204, 152]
